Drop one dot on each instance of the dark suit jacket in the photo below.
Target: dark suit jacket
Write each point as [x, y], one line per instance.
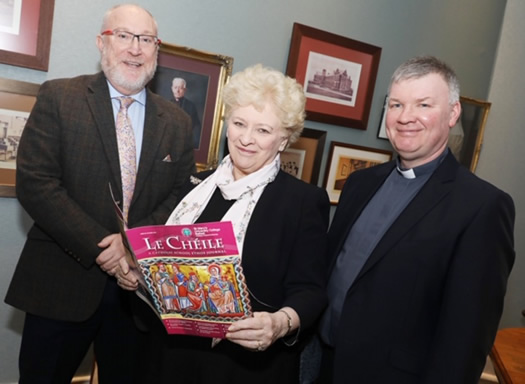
[189, 107]
[284, 248]
[426, 305]
[284, 262]
[67, 157]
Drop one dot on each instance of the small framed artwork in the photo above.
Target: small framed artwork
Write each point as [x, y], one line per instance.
[25, 32]
[345, 159]
[338, 75]
[194, 80]
[303, 158]
[16, 101]
[292, 161]
[381, 133]
[466, 137]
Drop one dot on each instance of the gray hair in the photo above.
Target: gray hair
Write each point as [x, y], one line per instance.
[179, 80]
[420, 66]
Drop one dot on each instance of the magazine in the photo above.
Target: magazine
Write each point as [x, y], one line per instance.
[190, 275]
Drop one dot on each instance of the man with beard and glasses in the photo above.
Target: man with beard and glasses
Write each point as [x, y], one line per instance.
[69, 156]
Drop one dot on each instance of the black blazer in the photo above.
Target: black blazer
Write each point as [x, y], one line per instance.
[284, 251]
[426, 305]
[67, 157]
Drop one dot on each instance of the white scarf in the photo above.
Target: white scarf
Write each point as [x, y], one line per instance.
[246, 191]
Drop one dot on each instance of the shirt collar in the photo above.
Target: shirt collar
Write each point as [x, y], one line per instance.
[422, 170]
[139, 97]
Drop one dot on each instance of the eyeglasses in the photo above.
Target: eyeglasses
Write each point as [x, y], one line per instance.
[126, 38]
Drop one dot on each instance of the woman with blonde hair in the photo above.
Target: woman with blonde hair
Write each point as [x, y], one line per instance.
[280, 223]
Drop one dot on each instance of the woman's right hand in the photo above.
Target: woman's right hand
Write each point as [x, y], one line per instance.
[126, 278]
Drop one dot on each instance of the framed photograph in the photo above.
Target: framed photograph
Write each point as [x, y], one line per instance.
[16, 101]
[338, 75]
[345, 159]
[25, 32]
[466, 137]
[381, 133]
[292, 161]
[303, 158]
[194, 80]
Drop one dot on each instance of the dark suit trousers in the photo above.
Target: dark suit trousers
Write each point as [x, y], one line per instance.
[327, 365]
[52, 350]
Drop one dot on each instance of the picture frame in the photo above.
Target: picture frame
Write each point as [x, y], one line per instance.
[16, 101]
[338, 75]
[307, 152]
[381, 132]
[344, 159]
[292, 161]
[19, 44]
[205, 74]
[466, 137]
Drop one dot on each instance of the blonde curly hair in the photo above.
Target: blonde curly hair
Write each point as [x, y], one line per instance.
[257, 86]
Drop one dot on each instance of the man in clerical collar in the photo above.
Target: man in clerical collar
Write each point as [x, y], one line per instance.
[178, 89]
[420, 250]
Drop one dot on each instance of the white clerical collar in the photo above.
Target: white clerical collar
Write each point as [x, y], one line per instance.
[421, 170]
[407, 173]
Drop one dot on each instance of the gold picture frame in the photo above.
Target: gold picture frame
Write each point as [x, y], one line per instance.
[466, 137]
[205, 74]
[17, 97]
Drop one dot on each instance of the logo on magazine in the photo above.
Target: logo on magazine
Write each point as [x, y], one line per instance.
[186, 232]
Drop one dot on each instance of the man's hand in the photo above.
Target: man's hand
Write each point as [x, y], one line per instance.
[113, 251]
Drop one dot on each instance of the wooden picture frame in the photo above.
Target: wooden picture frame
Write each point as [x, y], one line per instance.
[205, 75]
[344, 159]
[16, 101]
[19, 44]
[338, 75]
[309, 150]
[466, 137]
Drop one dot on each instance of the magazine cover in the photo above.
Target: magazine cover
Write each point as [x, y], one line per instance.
[191, 276]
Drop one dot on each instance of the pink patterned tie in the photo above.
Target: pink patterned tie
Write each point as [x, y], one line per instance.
[126, 151]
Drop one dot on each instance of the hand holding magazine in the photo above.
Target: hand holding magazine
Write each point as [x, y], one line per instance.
[190, 275]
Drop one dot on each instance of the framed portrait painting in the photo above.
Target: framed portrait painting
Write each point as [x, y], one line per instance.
[338, 75]
[16, 101]
[344, 159]
[194, 80]
[25, 32]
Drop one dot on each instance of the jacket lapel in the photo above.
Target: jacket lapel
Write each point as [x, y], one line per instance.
[102, 111]
[433, 192]
[350, 208]
[154, 127]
